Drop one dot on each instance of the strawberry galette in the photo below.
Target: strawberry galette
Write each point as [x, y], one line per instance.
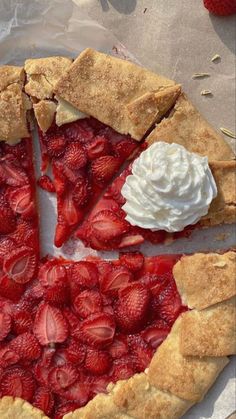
[138, 336]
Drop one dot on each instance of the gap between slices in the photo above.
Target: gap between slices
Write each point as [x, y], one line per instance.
[81, 325]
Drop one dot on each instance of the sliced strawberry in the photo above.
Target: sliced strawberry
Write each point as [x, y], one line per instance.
[22, 321]
[5, 325]
[119, 346]
[17, 382]
[27, 346]
[71, 318]
[46, 183]
[98, 147]
[122, 369]
[10, 289]
[78, 392]
[106, 225]
[52, 273]
[104, 168]
[97, 330]
[62, 377]
[97, 362]
[50, 325]
[56, 295]
[84, 274]
[81, 192]
[6, 246]
[42, 366]
[65, 408]
[132, 260]
[43, 400]
[169, 305]
[141, 352]
[21, 202]
[161, 265]
[74, 352]
[125, 147]
[132, 307]
[87, 302]
[115, 280]
[56, 146]
[11, 174]
[7, 217]
[75, 156]
[26, 232]
[99, 384]
[156, 333]
[155, 283]
[131, 240]
[21, 264]
[8, 357]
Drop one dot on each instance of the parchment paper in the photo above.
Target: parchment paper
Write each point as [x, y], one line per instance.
[34, 28]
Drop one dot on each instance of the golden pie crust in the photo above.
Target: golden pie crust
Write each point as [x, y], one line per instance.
[117, 92]
[187, 127]
[13, 105]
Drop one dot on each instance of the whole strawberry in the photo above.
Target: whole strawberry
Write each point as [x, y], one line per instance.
[221, 7]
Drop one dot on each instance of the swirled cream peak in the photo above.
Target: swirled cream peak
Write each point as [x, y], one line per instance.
[169, 189]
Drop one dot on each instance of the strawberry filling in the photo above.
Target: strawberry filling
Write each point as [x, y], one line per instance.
[106, 228]
[81, 325]
[84, 155]
[19, 242]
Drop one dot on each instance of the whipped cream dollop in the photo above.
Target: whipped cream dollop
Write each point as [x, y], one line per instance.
[169, 189]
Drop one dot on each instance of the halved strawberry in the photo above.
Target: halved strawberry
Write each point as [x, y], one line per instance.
[8, 357]
[62, 377]
[125, 148]
[50, 325]
[5, 325]
[75, 156]
[97, 330]
[156, 333]
[99, 384]
[22, 321]
[10, 289]
[81, 191]
[56, 145]
[20, 264]
[155, 283]
[132, 260]
[43, 400]
[46, 183]
[119, 346]
[87, 302]
[115, 280]
[71, 318]
[132, 307]
[98, 147]
[27, 346]
[122, 369]
[97, 362]
[21, 202]
[84, 274]
[26, 232]
[103, 168]
[7, 217]
[106, 225]
[17, 382]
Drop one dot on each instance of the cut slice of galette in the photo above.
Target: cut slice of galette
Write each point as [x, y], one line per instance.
[19, 235]
[98, 337]
[106, 227]
[85, 153]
